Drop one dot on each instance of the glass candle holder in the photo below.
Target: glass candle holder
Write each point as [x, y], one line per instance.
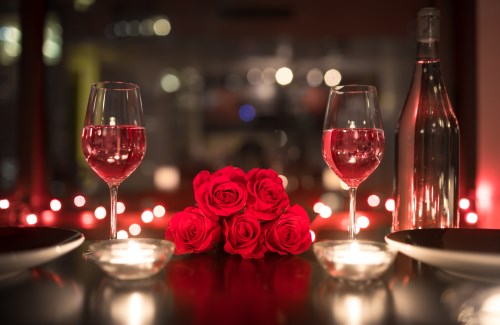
[131, 259]
[355, 260]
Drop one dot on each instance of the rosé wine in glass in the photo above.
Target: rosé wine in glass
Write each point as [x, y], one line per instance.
[353, 138]
[113, 137]
[353, 154]
[114, 152]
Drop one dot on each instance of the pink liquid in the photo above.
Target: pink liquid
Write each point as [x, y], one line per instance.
[353, 154]
[114, 152]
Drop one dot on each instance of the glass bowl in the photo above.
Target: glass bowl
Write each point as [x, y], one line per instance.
[354, 260]
[131, 259]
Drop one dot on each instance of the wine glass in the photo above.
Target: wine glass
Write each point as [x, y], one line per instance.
[114, 136]
[353, 139]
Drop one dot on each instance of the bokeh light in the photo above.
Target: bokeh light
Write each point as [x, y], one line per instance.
[313, 235]
[284, 76]
[464, 203]
[373, 200]
[100, 212]
[254, 77]
[31, 219]
[325, 212]
[247, 113]
[134, 229]
[48, 217]
[159, 211]
[79, 201]
[162, 27]
[471, 217]
[314, 77]
[122, 234]
[167, 178]
[147, 216]
[268, 76]
[332, 77]
[363, 222]
[4, 204]
[170, 83]
[285, 180]
[87, 219]
[120, 207]
[55, 205]
[390, 205]
[317, 206]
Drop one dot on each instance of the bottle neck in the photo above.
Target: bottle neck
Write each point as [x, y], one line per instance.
[428, 50]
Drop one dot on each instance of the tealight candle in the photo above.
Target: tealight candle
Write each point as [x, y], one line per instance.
[132, 253]
[132, 258]
[354, 260]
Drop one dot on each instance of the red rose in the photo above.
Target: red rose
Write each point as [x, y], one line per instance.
[289, 233]
[222, 193]
[192, 232]
[243, 236]
[266, 193]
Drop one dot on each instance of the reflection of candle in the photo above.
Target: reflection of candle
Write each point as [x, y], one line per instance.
[132, 253]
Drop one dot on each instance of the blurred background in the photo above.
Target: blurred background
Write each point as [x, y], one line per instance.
[223, 82]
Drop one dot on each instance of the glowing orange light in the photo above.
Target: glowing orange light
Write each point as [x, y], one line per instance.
[147, 216]
[363, 222]
[484, 195]
[120, 207]
[317, 206]
[4, 204]
[87, 219]
[79, 201]
[48, 217]
[134, 229]
[464, 203]
[313, 235]
[100, 212]
[390, 205]
[373, 200]
[55, 205]
[325, 212]
[31, 219]
[471, 217]
[122, 234]
[159, 211]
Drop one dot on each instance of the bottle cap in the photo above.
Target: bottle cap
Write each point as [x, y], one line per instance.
[428, 24]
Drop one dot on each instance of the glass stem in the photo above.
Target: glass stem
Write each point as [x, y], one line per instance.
[352, 213]
[113, 189]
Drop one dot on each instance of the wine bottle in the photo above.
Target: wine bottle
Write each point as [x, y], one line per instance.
[427, 141]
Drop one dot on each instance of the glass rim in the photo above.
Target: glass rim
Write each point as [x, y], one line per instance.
[353, 88]
[115, 85]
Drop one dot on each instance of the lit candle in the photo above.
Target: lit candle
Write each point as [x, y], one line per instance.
[354, 260]
[358, 254]
[131, 254]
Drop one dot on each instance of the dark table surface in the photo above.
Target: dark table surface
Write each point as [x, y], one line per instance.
[219, 288]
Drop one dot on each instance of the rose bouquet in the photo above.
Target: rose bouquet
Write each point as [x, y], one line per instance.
[249, 212]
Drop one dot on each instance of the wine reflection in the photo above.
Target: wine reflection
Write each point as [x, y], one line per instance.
[352, 303]
[129, 302]
[239, 291]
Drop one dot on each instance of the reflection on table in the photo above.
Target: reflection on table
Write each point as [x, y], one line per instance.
[219, 288]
